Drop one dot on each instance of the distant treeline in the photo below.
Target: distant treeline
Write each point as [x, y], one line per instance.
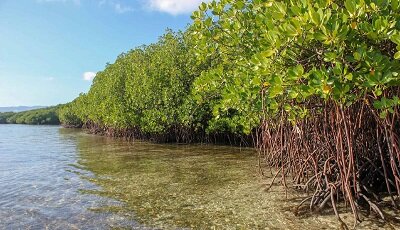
[45, 116]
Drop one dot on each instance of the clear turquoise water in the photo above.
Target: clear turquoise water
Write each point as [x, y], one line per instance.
[66, 179]
[55, 178]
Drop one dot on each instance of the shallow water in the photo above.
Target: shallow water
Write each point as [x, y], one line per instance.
[58, 178]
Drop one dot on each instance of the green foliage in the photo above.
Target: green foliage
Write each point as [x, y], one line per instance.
[293, 51]
[145, 88]
[240, 61]
[5, 116]
[45, 116]
[68, 115]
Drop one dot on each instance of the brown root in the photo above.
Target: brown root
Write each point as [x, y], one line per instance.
[342, 154]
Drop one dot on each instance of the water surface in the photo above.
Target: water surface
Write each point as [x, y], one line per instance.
[58, 178]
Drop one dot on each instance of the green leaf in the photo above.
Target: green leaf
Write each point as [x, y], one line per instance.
[383, 114]
[278, 10]
[315, 17]
[295, 10]
[208, 22]
[378, 105]
[320, 36]
[337, 70]
[357, 56]
[287, 107]
[276, 80]
[275, 90]
[299, 70]
[239, 4]
[330, 56]
[395, 5]
[378, 92]
[203, 6]
[273, 104]
[293, 94]
[268, 53]
[350, 6]
[349, 77]
[290, 30]
[397, 55]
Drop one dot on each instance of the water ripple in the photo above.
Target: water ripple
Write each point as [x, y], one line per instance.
[39, 185]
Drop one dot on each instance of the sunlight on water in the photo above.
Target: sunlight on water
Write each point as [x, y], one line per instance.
[40, 189]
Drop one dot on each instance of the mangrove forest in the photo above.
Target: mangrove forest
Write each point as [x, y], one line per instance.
[312, 85]
[42, 116]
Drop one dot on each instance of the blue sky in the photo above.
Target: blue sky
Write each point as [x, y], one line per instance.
[50, 49]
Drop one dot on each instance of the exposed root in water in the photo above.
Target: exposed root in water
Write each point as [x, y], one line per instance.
[175, 134]
[341, 155]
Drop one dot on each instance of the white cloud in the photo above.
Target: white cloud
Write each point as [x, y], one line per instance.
[175, 7]
[117, 6]
[121, 8]
[89, 76]
[49, 78]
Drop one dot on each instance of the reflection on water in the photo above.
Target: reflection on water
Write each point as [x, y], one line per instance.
[64, 179]
[38, 186]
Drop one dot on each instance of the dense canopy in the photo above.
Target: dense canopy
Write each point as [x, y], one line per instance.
[316, 83]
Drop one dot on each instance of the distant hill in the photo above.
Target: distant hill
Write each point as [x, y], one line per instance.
[19, 108]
